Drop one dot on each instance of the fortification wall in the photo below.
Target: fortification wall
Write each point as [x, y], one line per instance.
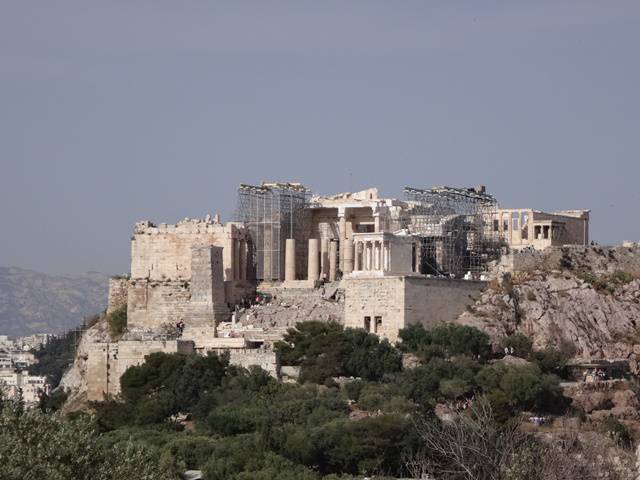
[246, 358]
[118, 287]
[384, 305]
[381, 297]
[429, 301]
[152, 304]
[164, 252]
[107, 362]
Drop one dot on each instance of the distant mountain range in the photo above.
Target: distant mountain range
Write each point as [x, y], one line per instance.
[35, 302]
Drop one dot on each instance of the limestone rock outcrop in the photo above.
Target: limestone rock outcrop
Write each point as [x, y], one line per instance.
[587, 296]
[74, 380]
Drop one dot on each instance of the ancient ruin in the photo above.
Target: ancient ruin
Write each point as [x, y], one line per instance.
[369, 262]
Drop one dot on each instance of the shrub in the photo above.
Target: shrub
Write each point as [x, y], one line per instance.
[326, 350]
[36, 445]
[527, 388]
[117, 321]
[54, 358]
[54, 401]
[607, 283]
[554, 359]
[368, 357]
[621, 277]
[445, 340]
[521, 344]
[618, 432]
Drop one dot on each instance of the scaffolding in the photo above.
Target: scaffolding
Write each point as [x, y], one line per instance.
[272, 213]
[455, 227]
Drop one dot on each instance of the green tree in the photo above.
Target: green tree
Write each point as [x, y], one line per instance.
[521, 344]
[368, 357]
[326, 350]
[117, 321]
[553, 359]
[34, 445]
[446, 340]
[54, 357]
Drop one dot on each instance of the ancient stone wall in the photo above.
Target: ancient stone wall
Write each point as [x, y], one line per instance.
[107, 362]
[153, 304]
[384, 305]
[429, 301]
[157, 305]
[375, 304]
[250, 357]
[164, 252]
[117, 293]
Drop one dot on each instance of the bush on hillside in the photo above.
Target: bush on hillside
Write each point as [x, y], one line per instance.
[446, 340]
[521, 344]
[117, 321]
[326, 350]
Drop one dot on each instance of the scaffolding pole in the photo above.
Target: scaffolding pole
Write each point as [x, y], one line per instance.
[455, 227]
[272, 212]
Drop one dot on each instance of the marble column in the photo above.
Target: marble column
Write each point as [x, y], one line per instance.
[324, 258]
[342, 234]
[243, 260]
[347, 255]
[333, 259]
[376, 255]
[236, 259]
[313, 262]
[290, 260]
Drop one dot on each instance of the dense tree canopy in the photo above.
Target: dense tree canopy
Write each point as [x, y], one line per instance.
[34, 445]
[54, 357]
[445, 340]
[326, 350]
[179, 411]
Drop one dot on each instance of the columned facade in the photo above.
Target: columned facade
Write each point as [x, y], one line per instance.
[383, 253]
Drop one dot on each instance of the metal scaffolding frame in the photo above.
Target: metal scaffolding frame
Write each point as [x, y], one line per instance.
[272, 212]
[455, 227]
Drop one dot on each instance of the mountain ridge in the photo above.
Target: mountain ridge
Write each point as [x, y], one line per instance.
[37, 302]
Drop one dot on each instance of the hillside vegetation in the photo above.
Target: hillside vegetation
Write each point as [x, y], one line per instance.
[589, 297]
[355, 410]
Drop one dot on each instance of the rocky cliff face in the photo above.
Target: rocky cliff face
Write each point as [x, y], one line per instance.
[587, 296]
[34, 302]
[74, 380]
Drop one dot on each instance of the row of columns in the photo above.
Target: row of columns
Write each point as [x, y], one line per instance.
[372, 255]
[327, 266]
[322, 260]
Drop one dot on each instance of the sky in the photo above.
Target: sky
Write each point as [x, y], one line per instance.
[118, 111]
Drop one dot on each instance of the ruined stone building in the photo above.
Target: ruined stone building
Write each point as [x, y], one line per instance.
[527, 228]
[420, 259]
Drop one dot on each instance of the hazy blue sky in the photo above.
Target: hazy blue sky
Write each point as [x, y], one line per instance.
[115, 111]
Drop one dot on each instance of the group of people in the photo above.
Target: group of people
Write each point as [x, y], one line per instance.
[509, 351]
[538, 420]
[180, 328]
[595, 375]
[464, 404]
[259, 299]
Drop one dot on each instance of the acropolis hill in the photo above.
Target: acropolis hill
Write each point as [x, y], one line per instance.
[381, 264]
